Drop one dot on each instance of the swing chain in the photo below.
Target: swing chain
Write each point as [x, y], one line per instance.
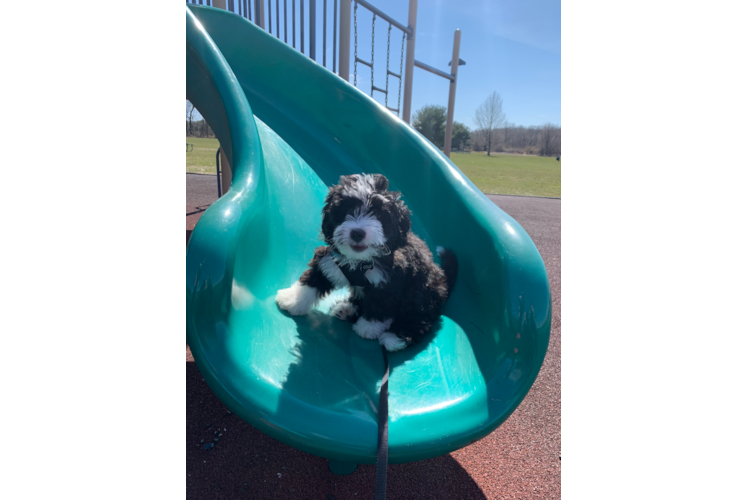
[387, 81]
[389, 48]
[373, 19]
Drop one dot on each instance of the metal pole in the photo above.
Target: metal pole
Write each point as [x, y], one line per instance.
[313, 29]
[344, 58]
[301, 24]
[452, 91]
[270, 17]
[410, 56]
[334, 34]
[293, 22]
[260, 14]
[226, 170]
[218, 171]
[324, 33]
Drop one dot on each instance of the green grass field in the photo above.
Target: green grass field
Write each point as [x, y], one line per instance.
[512, 174]
[202, 158]
[498, 174]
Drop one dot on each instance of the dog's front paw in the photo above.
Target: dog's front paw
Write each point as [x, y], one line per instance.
[297, 300]
[392, 342]
[370, 329]
[344, 310]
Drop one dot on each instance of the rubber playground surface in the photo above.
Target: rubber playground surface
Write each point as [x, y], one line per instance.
[520, 459]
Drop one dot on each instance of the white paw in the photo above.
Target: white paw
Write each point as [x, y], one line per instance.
[343, 310]
[297, 300]
[370, 329]
[391, 342]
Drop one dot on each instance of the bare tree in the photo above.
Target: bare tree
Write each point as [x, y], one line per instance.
[190, 113]
[550, 140]
[490, 116]
[478, 137]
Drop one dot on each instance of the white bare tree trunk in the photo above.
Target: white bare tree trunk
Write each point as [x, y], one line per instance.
[490, 116]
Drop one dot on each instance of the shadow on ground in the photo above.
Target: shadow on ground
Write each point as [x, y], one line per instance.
[245, 463]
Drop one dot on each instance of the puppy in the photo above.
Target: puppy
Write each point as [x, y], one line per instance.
[396, 290]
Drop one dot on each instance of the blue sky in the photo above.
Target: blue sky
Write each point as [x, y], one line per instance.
[511, 46]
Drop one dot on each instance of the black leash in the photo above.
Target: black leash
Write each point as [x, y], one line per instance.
[380, 491]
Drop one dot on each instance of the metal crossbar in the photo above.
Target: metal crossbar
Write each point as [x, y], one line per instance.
[386, 91]
[433, 70]
[358, 59]
[384, 16]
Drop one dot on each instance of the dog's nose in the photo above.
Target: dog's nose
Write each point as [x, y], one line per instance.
[357, 235]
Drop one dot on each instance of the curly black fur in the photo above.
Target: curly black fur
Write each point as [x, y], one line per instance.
[412, 288]
[414, 295]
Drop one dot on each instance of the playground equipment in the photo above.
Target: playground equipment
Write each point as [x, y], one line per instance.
[264, 18]
[370, 64]
[290, 128]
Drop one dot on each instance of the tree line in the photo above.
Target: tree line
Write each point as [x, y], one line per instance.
[196, 127]
[493, 133]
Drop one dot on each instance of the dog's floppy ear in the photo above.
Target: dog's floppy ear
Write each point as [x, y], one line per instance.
[331, 200]
[404, 214]
[381, 183]
[401, 215]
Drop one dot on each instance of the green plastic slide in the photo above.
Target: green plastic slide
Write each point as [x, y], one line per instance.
[290, 129]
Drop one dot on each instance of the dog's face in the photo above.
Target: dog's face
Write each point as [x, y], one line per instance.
[363, 219]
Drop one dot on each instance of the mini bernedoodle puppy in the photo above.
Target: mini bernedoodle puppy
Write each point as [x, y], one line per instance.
[396, 290]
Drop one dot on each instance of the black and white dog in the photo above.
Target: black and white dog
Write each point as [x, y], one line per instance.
[396, 290]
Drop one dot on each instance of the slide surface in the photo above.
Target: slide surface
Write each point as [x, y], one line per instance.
[290, 128]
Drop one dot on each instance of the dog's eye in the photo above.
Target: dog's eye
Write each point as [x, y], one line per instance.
[349, 205]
